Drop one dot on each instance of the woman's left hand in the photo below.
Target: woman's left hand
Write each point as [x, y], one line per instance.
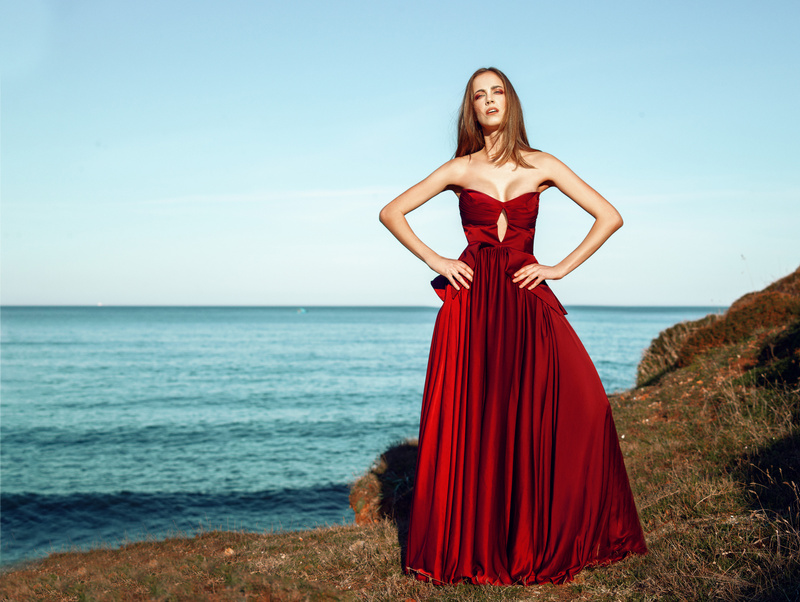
[534, 273]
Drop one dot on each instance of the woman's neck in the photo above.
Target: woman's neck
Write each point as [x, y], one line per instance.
[493, 144]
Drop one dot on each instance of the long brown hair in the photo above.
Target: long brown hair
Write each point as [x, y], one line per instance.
[513, 139]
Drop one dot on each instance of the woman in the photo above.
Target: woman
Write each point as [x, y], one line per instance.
[519, 477]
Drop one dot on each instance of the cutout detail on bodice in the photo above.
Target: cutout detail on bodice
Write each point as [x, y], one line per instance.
[502, 225]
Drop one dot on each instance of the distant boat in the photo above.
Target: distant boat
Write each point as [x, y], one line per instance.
[302, 310]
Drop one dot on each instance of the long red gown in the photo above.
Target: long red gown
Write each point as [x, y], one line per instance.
[520, 477]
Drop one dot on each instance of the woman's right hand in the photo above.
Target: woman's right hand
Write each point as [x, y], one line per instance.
[457, 272]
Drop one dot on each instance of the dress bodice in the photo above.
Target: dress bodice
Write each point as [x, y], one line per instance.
[480, 213]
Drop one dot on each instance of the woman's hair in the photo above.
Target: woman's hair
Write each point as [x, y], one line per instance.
[513, 139]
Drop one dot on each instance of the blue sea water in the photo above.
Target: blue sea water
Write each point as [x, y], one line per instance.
[122, 423]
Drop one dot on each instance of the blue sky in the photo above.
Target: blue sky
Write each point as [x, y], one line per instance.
[210, 153]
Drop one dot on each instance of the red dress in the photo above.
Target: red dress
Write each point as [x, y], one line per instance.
[519, 478]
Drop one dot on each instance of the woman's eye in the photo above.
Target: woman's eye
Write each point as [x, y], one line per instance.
[477, 96]
[499, 92]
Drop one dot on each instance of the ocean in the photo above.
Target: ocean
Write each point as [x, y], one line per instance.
[119, 424]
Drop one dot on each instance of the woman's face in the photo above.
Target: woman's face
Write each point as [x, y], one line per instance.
[489, 100]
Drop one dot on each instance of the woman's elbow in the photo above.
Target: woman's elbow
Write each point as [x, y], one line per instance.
[615, 220]
[388, 215]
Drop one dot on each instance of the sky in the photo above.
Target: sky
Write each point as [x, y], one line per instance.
[238, 153]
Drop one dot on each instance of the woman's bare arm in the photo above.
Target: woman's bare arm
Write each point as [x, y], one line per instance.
[607, 221]
[393, 217]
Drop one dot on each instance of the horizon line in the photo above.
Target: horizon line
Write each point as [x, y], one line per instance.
[296, 306]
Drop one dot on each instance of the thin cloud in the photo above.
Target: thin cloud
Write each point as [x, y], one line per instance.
[260, 197]
[698, 194]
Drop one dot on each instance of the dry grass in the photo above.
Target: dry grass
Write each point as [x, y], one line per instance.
[713, 464]
[763, 311]
[676, 347]
[386, 488]
[662, 354]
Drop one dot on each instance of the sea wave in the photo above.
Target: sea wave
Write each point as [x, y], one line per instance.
[35, 524]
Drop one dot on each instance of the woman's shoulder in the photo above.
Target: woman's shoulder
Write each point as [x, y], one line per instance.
[535, 156]
[542, 161]
[455, 169]
[450, 174]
